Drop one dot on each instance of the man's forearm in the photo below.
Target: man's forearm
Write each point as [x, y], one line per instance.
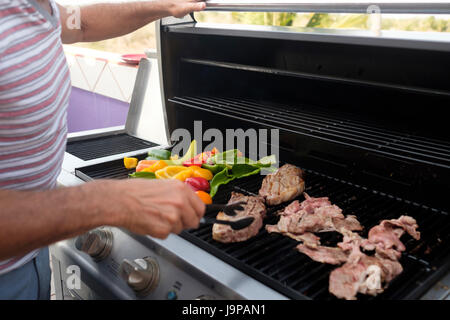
[105, 21]
[30, 220]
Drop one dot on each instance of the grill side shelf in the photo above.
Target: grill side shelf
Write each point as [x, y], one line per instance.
[104, 146]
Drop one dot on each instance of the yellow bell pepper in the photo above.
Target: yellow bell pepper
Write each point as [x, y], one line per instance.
[183, 175]
[173, 172]
[130, 163]
[156, 166]
[201, 173]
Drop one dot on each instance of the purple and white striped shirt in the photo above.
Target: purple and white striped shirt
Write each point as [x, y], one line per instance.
[34, 93]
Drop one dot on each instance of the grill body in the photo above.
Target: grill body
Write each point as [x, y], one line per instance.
[364, 116]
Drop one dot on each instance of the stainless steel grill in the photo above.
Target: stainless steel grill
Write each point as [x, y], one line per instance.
[362, 114]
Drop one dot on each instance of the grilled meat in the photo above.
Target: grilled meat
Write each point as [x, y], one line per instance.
[254, 208]
[324, 254]
[371, 274]
[385, 237]
[314, 215]
[362, 273]
[284, 185]
[310, 239]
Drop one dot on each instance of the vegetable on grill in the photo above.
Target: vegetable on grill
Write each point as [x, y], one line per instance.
[156, 166]
[160, 154]
[130, 163]
[206, 198]
[198, 184]
[142, 174]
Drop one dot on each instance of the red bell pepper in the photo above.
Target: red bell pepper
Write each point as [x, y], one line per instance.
[199, 159]
[198, 184]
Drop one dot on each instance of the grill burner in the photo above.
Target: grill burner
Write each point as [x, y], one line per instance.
[106, 146]
[272, 259]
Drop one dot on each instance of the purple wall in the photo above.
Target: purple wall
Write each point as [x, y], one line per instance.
[89, 110]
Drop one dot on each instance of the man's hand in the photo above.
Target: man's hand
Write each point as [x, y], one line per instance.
[151, 207]
[180, 8]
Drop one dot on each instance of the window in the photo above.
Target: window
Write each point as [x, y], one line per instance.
[432, 15]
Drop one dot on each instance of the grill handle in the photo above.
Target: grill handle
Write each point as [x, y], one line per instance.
[361, 6]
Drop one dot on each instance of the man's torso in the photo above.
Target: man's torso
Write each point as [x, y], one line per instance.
[34, 94]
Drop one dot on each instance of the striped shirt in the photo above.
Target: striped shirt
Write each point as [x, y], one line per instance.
[34, 94]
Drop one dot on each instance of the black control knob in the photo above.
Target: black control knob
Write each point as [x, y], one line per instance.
[142, 275]
[96, 243]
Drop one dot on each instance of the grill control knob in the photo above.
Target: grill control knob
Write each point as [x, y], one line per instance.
[142, 275]
[96, 243]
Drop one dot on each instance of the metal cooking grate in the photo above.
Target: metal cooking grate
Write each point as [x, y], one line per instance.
[106, 146]
[272, 259]
[323, 126]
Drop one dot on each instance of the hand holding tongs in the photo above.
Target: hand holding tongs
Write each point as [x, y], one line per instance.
[229, 210]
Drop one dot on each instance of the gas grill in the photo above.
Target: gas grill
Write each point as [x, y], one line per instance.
[363, 115]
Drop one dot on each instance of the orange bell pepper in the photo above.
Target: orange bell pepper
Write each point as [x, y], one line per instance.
[143, 164]
[206, 198]
[156, 166]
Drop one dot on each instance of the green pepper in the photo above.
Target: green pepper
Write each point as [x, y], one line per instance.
[214, 168]
[244, 170]
[219, 179]
[160, 154]
[143, 174]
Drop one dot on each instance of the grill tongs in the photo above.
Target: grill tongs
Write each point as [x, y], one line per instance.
[229, 210]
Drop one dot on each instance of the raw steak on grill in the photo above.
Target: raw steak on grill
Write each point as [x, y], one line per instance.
[385, 237]
[362, 273]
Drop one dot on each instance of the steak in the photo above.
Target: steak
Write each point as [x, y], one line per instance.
[314, 215]
[284, 185]
[385, 237]
[254, 208]
[310, 239]
[372, 274]
[362, 274]
[324, 254]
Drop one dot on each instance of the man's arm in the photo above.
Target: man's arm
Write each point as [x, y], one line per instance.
[105, 21]
[34, 219]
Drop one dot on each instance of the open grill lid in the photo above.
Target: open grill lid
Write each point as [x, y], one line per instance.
[364, 108]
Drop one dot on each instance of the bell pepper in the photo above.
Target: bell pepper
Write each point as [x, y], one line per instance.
[156, 166]
[198, 184]
[199, 159]
[143, 164]
[201, 173]
[160, 154]
[130, 163]
[206, 198]
[174, 172]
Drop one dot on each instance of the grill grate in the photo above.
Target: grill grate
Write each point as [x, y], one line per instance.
[272, 259]
[323, 126]
[106, 146]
